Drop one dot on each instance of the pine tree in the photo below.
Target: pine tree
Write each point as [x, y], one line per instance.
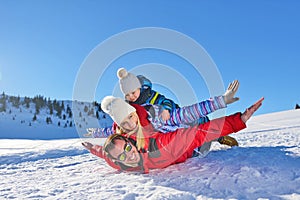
[62, 105]
[37, 108]
[48, 120]
[3, 103]
[91, 112]
[57, 108]
[70, 114]
[27, 102]
[68, 109]
[48, 103]
[86, 109]
[51, 109]
[59, 113]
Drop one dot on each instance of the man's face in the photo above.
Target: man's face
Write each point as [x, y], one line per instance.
[125, 152]
[133, 96]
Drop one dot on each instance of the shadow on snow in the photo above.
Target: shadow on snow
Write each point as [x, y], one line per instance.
[242, 173]
[35, 156]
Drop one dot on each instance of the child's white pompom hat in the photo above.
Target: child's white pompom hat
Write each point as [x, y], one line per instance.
[128, 81]
[117, 108]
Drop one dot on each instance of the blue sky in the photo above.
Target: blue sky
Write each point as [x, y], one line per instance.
[43, 44]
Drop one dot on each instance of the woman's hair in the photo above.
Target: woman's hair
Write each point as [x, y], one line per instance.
[140, 139]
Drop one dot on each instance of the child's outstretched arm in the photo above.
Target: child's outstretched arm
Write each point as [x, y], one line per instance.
[192, 113]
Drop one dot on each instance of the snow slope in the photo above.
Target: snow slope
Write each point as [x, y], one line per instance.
[266, 165]
[18, 123]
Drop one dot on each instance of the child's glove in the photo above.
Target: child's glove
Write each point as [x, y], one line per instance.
[230, 92]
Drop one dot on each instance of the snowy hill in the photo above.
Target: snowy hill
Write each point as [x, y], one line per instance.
[27, 118]
[266, 165]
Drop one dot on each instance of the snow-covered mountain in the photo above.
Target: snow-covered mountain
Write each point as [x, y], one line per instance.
[39, 118]
[266, 165]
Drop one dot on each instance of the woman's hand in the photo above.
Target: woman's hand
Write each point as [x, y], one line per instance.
[87, 145]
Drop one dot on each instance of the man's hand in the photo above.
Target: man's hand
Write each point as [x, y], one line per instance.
[230, 92]
[249, 111]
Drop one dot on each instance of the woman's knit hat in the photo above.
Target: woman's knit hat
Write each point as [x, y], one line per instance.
[117, 108]
[128, 81]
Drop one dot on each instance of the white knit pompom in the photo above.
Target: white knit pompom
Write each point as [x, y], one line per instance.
[122, 73]
[106, 104]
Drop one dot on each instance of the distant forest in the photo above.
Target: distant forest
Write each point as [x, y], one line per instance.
[52, 108]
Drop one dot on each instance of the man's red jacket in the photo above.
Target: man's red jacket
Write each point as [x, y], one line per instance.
[164, 149]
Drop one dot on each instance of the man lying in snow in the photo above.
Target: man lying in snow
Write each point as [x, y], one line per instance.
[142, 148]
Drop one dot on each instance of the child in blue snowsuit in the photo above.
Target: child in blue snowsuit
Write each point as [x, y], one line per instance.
[138, 90]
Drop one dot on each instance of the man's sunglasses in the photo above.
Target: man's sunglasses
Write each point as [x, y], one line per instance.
[127, 148]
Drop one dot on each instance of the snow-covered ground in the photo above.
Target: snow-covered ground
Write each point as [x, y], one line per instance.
[266, 165]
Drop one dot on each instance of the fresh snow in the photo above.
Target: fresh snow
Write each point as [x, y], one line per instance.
[266, 165]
